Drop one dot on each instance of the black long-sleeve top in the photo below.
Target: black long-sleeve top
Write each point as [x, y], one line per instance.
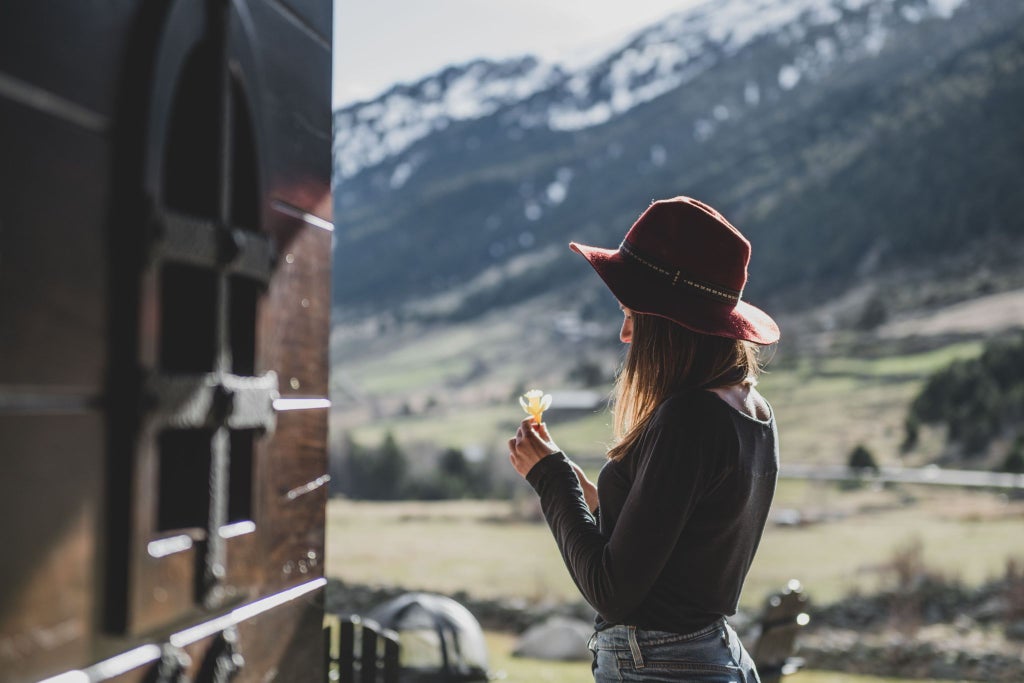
[681, 516]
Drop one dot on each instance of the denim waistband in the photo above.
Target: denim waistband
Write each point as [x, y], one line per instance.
[626, 637]
[625, 652]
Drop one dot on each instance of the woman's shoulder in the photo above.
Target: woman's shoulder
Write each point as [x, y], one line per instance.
[690, 408]
[691, 402]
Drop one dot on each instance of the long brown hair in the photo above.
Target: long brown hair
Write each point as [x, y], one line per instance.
[664, 358]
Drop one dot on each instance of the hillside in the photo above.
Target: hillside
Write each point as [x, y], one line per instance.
[845, 137]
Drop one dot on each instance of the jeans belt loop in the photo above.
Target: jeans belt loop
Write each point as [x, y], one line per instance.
[634, 648]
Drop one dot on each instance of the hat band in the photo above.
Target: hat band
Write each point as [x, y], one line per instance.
[681, 279]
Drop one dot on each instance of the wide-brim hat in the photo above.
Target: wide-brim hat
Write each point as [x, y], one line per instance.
[682, 260]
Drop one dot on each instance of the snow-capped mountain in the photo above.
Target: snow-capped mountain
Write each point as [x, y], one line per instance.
[368, 133]
[842, 136]
[653, 62]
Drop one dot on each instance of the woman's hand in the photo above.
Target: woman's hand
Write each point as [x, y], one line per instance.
[531, 444]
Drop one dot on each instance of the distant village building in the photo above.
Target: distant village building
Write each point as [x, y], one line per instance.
[573, 403]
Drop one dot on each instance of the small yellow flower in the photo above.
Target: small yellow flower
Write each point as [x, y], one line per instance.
[535, 402]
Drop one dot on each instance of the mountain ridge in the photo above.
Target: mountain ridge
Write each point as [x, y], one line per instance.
[770, 147]
[677, 48]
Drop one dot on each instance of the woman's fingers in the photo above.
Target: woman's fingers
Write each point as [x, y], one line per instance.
[521, 432]
[528, 426]
[535, 428]
[530, 444]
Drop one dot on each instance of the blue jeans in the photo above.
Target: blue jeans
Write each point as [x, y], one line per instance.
[623, 654]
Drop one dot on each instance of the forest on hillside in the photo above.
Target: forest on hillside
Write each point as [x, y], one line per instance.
[979, 403]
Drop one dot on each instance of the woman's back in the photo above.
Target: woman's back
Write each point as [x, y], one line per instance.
[691, 500]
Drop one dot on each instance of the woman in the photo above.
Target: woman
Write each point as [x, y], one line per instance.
[661, 546]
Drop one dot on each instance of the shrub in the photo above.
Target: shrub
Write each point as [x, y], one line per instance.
[862, 459]
[1014, 462]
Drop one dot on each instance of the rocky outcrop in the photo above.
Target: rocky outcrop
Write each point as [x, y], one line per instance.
[940, 630]
[937, 653]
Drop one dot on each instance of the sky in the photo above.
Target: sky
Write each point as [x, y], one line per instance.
[381, 42]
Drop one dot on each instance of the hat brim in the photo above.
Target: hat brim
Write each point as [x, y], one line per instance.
[644, 291]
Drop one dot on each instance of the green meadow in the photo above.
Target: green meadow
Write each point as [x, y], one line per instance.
[455, 387]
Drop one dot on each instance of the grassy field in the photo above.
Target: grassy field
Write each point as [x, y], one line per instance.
[488, 549]
[474, 546]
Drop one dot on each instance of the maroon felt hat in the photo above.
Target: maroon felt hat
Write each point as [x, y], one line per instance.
[683, 261]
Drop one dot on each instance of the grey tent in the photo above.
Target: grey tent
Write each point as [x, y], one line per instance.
[440, 640]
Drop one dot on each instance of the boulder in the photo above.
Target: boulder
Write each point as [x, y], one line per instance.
[558, 638]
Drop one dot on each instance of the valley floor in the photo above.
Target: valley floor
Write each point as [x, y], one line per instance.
[860, 542]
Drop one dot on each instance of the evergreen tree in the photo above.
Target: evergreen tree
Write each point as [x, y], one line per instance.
[378, 474]
[391, 469]
[453, 462]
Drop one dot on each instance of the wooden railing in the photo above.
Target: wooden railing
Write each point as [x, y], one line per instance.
[360, 651]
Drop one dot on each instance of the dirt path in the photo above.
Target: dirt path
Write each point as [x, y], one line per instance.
[987, 314]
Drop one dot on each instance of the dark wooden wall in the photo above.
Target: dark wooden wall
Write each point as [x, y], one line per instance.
[164, 306]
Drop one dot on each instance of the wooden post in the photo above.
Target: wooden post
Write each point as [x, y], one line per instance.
[368, 654]
[347, 650]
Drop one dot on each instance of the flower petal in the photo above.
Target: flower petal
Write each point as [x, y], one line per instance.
[545, 402]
